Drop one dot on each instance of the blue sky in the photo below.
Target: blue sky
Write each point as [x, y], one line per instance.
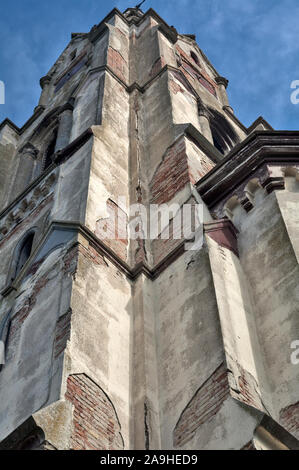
[253, 43]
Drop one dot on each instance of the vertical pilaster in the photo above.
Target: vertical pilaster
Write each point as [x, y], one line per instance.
[222, 85]
[65, 127]
[45, 85]
[205, 123]
[145, 399]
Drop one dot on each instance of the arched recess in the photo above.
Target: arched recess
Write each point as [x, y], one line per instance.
[224, 136]
[230, 206]
[33, 156]
[21, 254]
[49, 149]
[45, 140]
[253, 189]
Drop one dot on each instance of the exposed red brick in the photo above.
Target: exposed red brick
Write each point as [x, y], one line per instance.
[70, 260]
[20, 316]
[175, 87]
[95, 422]
[171, 176]
[203, 406]
[244, 386]
[62, 333]
[194, 67]
[28, 220]
[117, 63]
[157, 66]
[289, 419]
[92, 255]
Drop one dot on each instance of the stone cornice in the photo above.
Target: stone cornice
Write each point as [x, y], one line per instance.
[171, 32]
[75, 145]
[259, 120]
[261, 147]
[19, 130]
[29, 150]
[45, 80]
[107, 253]
[97, 31]
[226, 226]
[221, 81]
[203, 143]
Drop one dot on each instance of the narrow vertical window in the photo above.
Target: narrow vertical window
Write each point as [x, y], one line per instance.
[24, 253]
[194, 57]
[4, 332]
[48, 159]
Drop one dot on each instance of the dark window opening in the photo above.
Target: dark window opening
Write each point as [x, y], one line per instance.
[73, 54]
[194, 57]
[30, 443]
[219, 143]
[223, 134]
[24, 253]
[50, 151]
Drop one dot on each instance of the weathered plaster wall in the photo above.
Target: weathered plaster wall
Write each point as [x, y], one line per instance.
[269, 261]
[100, 336]
[32, 373]
[189, 344]
[109, 354]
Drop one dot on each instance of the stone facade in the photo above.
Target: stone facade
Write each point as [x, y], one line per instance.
[132, 343]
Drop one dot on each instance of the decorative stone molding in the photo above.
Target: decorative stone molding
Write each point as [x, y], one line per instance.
[222, 84]
[72, 69]
[224, 233]
[133, 14]
[267, 179]
[204, 121]
[273, 183]
[262, 155]
[22, 210]
[28, 150]
[203, 110]
[246, 203]
[45, 84]
[222, 81]
[45, 81]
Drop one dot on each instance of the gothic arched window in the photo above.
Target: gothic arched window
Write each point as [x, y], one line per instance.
[23, 253]
[223, 134]
[50, 150]
[194, 57]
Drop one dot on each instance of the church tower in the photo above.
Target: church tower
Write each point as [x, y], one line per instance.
[114, 339]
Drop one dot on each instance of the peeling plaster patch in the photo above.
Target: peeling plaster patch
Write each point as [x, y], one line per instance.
[289, 418]
[244, 387]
